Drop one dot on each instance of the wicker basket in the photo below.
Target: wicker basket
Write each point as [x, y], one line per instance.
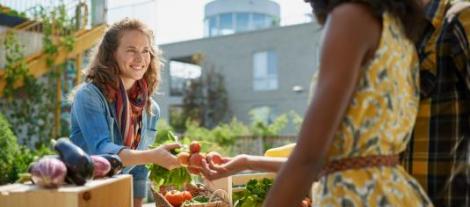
[217, 198]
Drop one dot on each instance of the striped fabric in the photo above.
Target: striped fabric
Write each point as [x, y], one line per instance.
[438, 153]
[129, 106]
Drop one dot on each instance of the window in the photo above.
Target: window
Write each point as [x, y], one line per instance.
[260, 21]
[226, 24]
[265, 71]
[180, 73]
[272, 21]
[232, 22]
[213, 30]
[206, 27]
[242, 21]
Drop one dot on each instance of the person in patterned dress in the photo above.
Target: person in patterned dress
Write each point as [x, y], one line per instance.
[363, 111]
[361, 116]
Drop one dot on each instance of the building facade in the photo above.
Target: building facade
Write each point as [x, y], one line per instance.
[266, 70]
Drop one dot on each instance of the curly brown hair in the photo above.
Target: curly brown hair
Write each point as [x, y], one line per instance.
[104, 70]
[410, 12]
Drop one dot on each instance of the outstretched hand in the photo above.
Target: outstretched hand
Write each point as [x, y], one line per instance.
[214, 168]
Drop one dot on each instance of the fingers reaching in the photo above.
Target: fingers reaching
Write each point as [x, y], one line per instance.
[172, 146]
[210, 172]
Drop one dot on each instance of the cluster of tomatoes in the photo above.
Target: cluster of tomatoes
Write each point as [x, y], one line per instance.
[193, 159]
[176, 198]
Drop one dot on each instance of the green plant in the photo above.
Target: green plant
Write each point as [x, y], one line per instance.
[263, 129]
[254, 194]
[29, 105]
[14, 158]
[220, 138]
[32, 116]
[25, 157]
[58, 32]
[158, 174]
[16, 69]
[9, 150]
[206, 101]
[177, 118]
[296, 120]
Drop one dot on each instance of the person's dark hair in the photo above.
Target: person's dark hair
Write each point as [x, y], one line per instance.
[408, 11]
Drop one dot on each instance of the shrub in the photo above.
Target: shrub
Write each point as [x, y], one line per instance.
[15, 159]
[10, 149]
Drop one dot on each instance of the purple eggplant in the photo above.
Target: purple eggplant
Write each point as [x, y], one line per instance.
[79, 164]
[102, 166]
[116, 164]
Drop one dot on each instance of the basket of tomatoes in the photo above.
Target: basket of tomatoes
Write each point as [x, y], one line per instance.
[173, 188]
[193, 196]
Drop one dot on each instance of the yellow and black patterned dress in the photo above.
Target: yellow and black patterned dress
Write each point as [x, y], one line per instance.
[378, 121]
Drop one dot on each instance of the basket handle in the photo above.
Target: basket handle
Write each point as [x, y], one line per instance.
[160, 198]
[214, 194]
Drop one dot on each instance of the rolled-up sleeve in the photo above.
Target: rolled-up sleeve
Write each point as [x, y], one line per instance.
[90, 113]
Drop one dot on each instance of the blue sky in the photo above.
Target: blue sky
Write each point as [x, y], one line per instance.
[178, 20]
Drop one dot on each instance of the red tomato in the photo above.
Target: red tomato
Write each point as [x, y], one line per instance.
[194, 170]
[195, 147]
[187, 195]
[183, 158]
[195, 160]
[174, 197]
[195, 163]
[215, 157]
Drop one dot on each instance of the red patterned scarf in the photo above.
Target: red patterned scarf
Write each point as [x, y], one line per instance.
[129, 107]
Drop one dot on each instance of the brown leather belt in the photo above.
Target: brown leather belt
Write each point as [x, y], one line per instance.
[359, 162]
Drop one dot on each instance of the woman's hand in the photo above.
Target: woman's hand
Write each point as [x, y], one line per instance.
[228, 166]
[163, 157]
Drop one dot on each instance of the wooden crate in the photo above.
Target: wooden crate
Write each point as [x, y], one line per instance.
[236, 183]
[109, 192]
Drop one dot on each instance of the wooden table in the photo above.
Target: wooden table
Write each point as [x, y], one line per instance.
[112, 192]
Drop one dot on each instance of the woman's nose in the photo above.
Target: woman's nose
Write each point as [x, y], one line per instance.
[138, 57]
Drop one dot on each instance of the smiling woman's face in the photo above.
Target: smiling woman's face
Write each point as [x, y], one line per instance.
[133, 56]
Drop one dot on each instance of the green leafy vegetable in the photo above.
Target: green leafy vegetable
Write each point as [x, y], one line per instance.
[177, 177]
[255, 192]
[196, 200]
[161, 176]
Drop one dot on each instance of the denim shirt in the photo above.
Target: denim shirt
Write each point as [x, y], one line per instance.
[95, 129]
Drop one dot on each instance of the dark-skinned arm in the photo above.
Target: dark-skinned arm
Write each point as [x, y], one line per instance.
[240, 163]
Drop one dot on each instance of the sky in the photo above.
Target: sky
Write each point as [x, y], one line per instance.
[179, 20]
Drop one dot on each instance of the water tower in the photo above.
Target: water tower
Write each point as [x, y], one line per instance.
[224, 17]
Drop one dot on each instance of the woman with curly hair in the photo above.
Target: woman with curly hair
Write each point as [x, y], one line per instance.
[113, 111]
[361, 116]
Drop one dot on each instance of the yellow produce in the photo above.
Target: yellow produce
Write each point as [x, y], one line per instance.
[282, 151]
